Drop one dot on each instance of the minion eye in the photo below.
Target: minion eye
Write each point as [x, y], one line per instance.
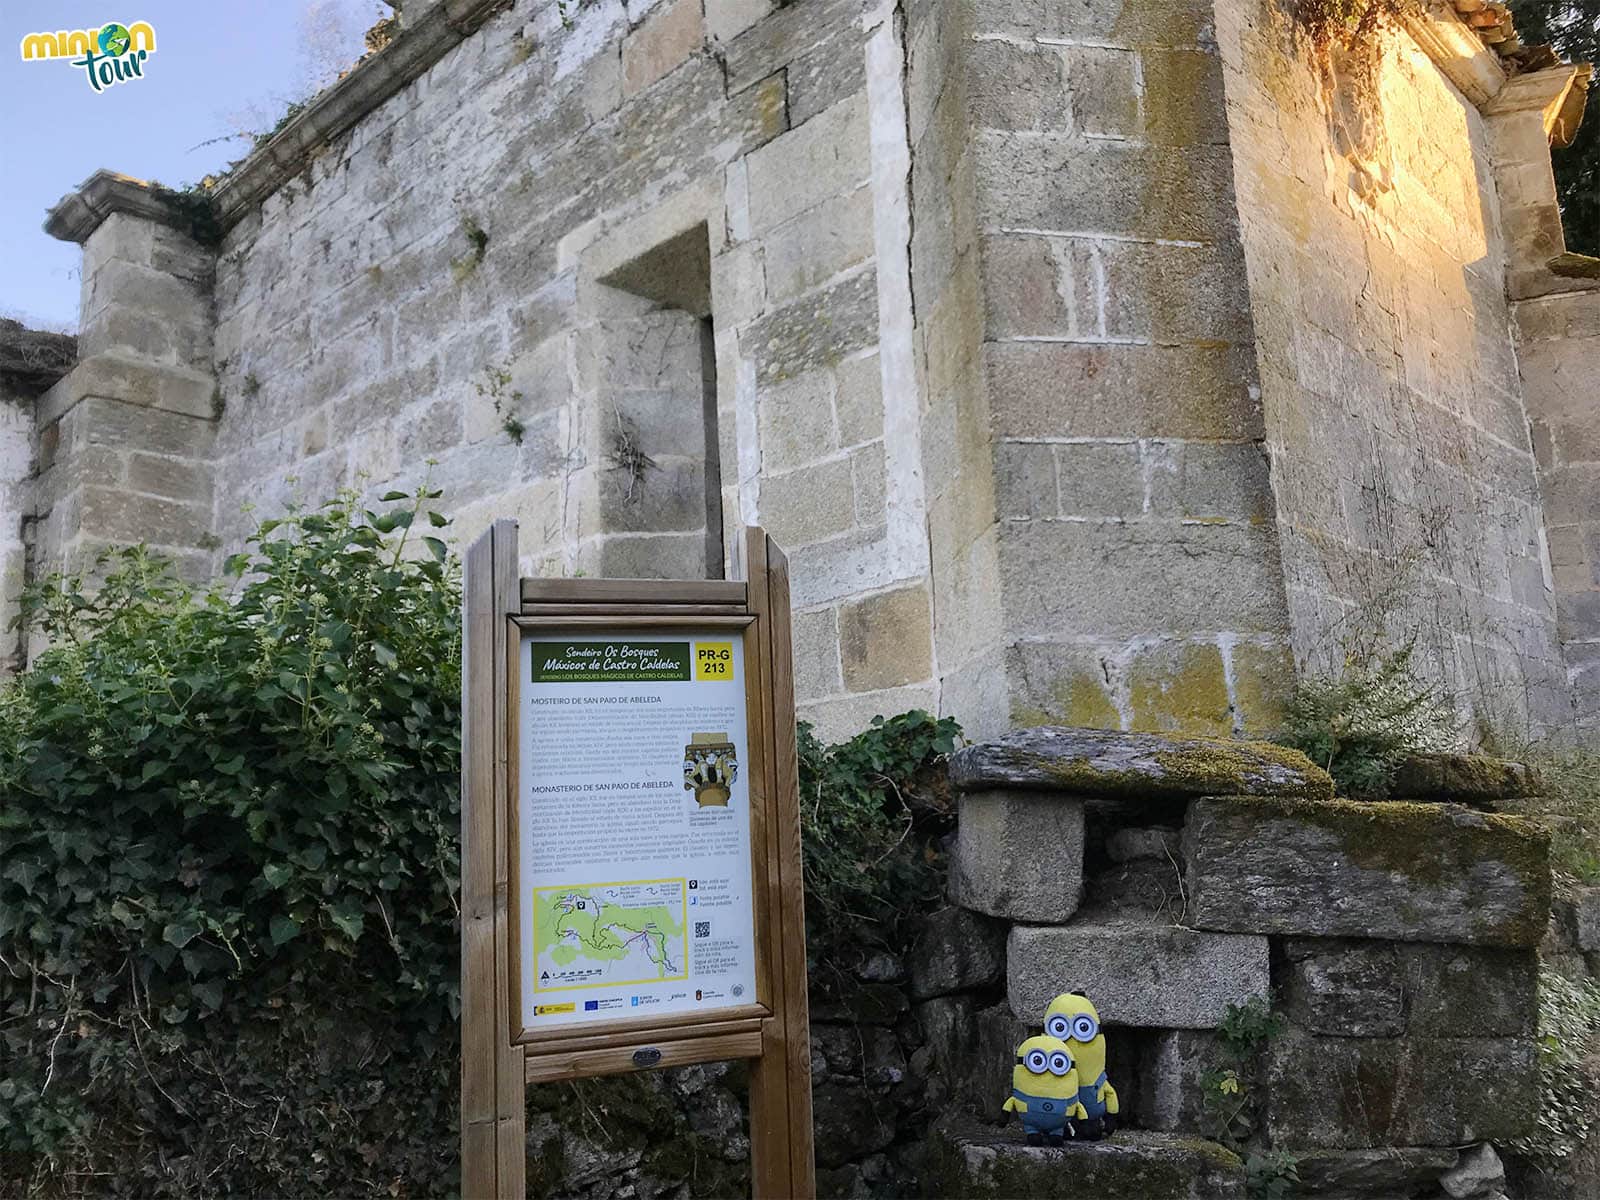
[1037, 1062]
[1084, 1028]
[1060, 1064]
[1057, 1027]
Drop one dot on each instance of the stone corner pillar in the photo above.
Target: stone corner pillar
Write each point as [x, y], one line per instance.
[1526, 117]
[123, 443]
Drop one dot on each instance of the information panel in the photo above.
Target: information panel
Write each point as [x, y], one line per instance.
[633, 826]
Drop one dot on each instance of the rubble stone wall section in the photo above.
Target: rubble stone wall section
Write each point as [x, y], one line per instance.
[1406, 497]
[1398, 942]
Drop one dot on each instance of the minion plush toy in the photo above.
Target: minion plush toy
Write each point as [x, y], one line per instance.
[1044, 1090]
[1073, 1020]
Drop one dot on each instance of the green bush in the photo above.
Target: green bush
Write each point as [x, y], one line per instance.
[229, 824]
[229, 847]
[1360, 724]
[871, 815]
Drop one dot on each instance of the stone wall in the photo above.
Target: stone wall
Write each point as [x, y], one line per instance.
[1113, 479]
[1101, 364]
[1406, 497]
[1558, 337]
[1395, 942]
[16, 514]
[496, 282]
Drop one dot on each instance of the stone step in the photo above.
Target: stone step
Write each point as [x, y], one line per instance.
[1133, 1164]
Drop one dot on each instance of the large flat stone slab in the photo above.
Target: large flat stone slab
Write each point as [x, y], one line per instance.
[1019, 855]
[1105, 763]
[1135, 1164]
[1150, 976]
[1407, 872]
[1350, 1093]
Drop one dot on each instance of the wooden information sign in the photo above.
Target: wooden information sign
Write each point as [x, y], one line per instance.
[630, 859]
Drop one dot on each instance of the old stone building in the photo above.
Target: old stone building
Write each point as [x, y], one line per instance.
[1099, 362]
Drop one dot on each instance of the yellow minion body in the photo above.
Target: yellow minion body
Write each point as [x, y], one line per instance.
[1074, 1020]
[1044, 1088]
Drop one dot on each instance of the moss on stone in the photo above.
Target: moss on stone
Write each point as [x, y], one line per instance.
[1186, 695]
[1218, 762]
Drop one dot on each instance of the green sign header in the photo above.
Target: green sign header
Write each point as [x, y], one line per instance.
[610, 662]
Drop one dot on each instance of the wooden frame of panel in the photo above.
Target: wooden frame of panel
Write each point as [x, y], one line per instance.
[498, 1056]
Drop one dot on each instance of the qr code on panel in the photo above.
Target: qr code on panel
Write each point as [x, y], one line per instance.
[702, 929]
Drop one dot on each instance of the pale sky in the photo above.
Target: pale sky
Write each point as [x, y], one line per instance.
[219, 66]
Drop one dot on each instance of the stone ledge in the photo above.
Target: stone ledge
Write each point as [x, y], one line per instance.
[1149, 976]
[1473, 779]
[1136, 766]
[968, 1160]
[341, 107]
[78, 214]
[333, 111]
[1398, 871]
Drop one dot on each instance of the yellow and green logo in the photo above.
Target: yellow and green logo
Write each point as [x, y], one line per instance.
[114, 53]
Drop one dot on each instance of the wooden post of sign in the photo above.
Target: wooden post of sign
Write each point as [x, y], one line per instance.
[498, 1055]
[493, 1094]
[780, 1080]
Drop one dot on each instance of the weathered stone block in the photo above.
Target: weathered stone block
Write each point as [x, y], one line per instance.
[827, 156]
[667, 38]
[1406, 872]
[967, 1160]
[849, 1124]
[985, 1077]
[1099, 479]
[1129, 845]
[1100, 762]
[727, 19]
[818, 244]
[956, 949]
[810, 503]
[1169, 1091]
[1390, 1171]
[1587, 905]
[950, 1032]
[1180, 687]
[1358, 1092]
[886, 640]
[817, 330]
[1155, 976]
[1057, 390]
[1019, 856]
[1474, 779]
[1013, 85]
[859, 400]
[1384, 989]
[1346, 989]
[816, 653]
[796, 421]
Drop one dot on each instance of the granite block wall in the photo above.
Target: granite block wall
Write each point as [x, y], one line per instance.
[1402, 473]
